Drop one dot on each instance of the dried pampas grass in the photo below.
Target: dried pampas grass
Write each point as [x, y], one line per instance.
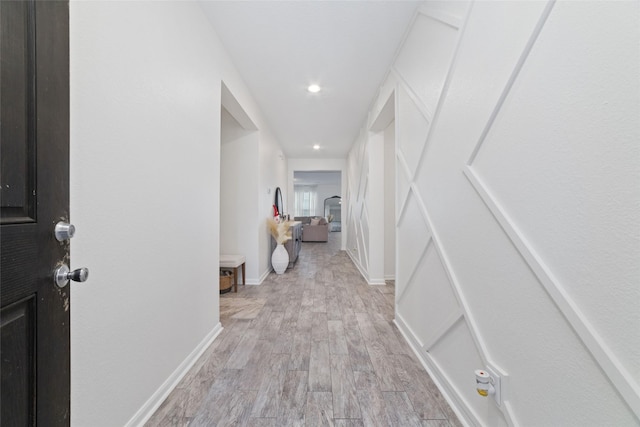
[280, 231]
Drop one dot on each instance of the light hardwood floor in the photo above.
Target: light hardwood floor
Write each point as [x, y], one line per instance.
[315, 346]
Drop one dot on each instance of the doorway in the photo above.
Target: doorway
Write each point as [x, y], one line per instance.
[239, 166]
[384, 131]
[390, 201]
[318, 194]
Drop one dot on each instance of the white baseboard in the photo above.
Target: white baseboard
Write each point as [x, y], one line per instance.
[264, 276]
[363, 273]
[464, 413]
[261, 279]
[156, 399]
[390, 277]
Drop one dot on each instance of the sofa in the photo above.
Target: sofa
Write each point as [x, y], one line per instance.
[314, 229]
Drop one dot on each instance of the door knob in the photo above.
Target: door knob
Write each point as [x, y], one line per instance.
[64, 231]
[62, 275]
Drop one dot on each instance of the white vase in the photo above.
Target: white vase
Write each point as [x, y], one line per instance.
[280, 259]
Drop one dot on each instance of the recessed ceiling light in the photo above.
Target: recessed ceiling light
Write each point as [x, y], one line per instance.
[316, 147]
[313, 88]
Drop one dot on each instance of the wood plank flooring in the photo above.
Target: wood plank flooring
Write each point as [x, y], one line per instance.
[315, 346]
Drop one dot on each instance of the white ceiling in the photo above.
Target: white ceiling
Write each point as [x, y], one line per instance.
[317, 178]
[281, 47]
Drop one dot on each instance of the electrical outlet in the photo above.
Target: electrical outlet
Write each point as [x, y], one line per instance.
[497, 380]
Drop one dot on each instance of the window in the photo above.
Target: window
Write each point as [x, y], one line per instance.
[305, 200]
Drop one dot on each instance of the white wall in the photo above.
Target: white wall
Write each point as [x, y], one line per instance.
[302, 165]
[519, 207]
[145, 185]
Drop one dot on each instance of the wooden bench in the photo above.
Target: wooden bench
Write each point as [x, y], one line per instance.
[232, 262]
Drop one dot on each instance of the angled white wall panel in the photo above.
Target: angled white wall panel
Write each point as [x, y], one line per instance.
[451, 13]
[414, 235]
[364, 235]
[402, 183]
[412, 129]
[427, 301]
[352, 236]
[455, 349]
[584, 163]
[357, 225]
[422, 63]
[442, 303]
[518, 160]
[527, 334]
[410, 300]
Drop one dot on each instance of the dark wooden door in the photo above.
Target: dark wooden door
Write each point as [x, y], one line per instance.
[34, 196]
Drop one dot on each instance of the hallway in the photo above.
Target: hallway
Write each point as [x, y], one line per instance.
[315, 346]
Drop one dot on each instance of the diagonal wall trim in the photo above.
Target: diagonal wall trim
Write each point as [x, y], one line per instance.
[453, 281]
[409, 334]
[622, 379]
[446, 18]
[462, 408]
[512, 78]
[362, 178]
[404, 198]
[464, 306]
[405, 286]
[433, 119]
[387, 113]
[423, 210]
[452, 395]
[445, 327]
[364, 258]
[421, 106]
[405, 167]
